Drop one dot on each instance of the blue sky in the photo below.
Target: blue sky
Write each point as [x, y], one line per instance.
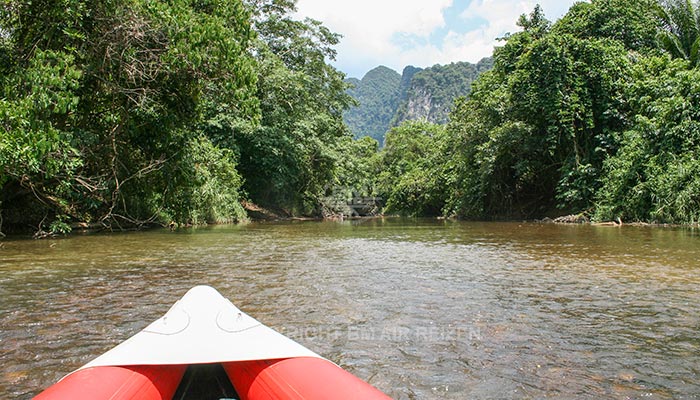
[422, 33]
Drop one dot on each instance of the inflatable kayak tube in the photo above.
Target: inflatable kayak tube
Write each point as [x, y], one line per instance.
[204, 347]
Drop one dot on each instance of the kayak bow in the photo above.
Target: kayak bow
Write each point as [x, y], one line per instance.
[205, 346]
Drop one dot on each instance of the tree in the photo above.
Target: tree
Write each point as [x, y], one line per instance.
[655, 176]
[535, 131]
[353, 190]
[680, 33]
[111, 95]
[412, 178]
[630, 22]
[289, 158]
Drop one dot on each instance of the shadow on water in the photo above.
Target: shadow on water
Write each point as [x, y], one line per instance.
[419, 308]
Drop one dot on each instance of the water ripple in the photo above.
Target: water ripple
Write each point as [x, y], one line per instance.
[421, 309]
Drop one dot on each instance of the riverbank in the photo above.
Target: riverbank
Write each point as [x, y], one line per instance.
[257, 213]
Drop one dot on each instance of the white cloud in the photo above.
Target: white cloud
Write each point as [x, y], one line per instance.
[502, 17]
[368, 27]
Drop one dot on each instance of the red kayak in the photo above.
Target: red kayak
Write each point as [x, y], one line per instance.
[206, 348]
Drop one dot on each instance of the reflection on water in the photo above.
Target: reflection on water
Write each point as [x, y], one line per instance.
[420, 309]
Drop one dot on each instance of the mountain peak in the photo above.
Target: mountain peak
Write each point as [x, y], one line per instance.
[387, 98]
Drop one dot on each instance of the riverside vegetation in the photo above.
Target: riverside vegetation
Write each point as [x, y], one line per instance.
[127, 113]
[596, 114]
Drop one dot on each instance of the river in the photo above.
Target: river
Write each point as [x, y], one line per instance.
[421, 309]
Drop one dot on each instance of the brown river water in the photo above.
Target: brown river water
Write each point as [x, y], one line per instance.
[421, 309]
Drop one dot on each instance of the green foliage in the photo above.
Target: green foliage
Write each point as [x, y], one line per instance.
[103, 99]
[492, 161]
[355, 179]
[135, 112]
[412, 178]
[59, 226]
[288, 160]
[204, 185]
[35, 143]
[583, 116]
[157, 111]
[655, 175]
[37, 149]
[406, 78]
[575, 115]
[358, 166]
[539, 129]
[680, 33]
[630, 22]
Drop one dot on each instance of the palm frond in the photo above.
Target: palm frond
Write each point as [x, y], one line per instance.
[694, 52]
[680, 24]
[671, 44]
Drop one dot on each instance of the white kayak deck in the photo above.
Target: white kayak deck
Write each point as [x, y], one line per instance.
[201, 328]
